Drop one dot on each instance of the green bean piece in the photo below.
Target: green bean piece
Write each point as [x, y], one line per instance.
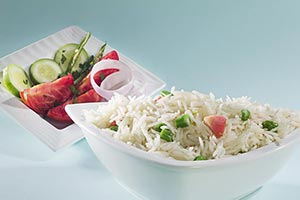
[269, 125]
[158, 126]
[114, 128]
[167, 135]
[199, 158]
[182, 121]
[245, 114]
[165, 93]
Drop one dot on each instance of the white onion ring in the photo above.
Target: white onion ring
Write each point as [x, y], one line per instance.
[118, 82]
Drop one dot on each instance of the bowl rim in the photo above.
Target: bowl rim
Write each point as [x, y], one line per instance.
[75, 111]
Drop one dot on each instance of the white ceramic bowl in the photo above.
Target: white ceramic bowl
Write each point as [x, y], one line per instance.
[151, 177]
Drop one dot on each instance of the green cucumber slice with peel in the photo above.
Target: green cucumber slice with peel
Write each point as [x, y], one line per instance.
[64, 55]
[15, 79]
[44, 70]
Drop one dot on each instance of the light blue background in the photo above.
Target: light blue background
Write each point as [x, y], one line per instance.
[230, 48]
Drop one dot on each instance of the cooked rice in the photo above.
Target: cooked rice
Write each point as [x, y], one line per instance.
[136, 118]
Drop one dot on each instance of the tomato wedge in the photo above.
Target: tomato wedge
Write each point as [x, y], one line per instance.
[111, 55]
[42, 97]
[216, 123]
[58, 113]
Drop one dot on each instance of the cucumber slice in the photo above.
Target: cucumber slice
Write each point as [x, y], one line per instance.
[44, 70]
[64, 55]
[15, 79]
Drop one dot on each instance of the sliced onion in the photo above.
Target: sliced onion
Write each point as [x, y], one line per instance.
[119, 82]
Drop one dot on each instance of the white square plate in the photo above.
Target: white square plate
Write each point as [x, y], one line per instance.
[54, 137]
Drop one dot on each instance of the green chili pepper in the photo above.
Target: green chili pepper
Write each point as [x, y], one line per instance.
[199, 158]
[167, 135]
[182, 121]
[158, 126]
[165, 93]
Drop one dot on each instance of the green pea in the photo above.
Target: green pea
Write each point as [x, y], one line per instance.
[114, 128]
[269, 125]
[245, 114]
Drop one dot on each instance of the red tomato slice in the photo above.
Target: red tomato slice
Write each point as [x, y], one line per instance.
[216, 124]
[111, 55]
[58, 113]
[42, 97]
